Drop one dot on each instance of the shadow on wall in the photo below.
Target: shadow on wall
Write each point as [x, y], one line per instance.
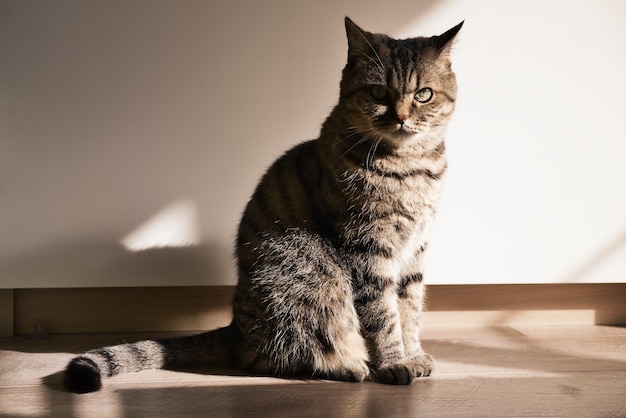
[109, 264]
[163, 250]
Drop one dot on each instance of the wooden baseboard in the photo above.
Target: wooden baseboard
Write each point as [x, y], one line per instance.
[533, 304]
[6, 313]
[200, 308]
[122, 309]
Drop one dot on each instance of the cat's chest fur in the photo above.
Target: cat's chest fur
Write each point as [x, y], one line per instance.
[391, 204]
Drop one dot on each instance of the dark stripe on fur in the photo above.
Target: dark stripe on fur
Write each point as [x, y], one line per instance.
[414, 173]
[113, 367]
[407, 281]
[369, 288]
[372, 247]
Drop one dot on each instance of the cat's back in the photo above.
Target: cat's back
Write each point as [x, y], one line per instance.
[287, 195]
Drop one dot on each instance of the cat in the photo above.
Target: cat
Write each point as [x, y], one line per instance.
[331, 244]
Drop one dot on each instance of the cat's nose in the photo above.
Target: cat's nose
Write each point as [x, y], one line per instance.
[402, 119]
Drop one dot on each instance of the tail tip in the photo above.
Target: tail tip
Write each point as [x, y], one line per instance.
[82, 375]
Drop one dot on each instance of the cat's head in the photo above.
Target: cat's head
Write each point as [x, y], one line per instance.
[400, 90]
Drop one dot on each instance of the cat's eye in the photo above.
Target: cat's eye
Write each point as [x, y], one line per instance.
[424, 95]
[378, 92]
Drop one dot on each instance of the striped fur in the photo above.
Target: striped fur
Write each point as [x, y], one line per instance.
[330, 246]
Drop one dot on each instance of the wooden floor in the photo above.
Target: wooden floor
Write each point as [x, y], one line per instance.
[575, 371]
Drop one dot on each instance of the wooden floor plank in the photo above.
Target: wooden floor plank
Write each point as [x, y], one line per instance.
[480, 372]
[568, 394]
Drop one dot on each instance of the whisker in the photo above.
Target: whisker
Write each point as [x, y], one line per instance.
[369, 159]
[376, 62]
[379, 64]
[356, 144]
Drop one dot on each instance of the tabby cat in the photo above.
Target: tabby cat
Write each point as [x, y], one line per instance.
[330, 245]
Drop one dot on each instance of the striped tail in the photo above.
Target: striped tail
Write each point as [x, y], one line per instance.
[85, 372]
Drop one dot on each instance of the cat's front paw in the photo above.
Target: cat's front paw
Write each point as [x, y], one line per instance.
[403, 373]
[350, 374]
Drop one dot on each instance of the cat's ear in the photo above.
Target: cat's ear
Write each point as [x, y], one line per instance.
[443, 42]
[359, 40]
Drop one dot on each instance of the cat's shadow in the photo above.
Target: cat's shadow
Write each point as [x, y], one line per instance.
[56, 381]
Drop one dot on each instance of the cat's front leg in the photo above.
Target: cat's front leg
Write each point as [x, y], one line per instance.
[390, 315]
[376, 302]
[411, 295]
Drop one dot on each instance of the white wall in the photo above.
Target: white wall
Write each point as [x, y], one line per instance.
[122, 118]
[537, 180]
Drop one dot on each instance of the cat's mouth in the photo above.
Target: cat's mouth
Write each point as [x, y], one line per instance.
[400, 137]
[399, 134]
[404, 129]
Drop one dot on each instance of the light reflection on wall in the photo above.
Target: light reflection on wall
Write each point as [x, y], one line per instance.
[174, 226]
